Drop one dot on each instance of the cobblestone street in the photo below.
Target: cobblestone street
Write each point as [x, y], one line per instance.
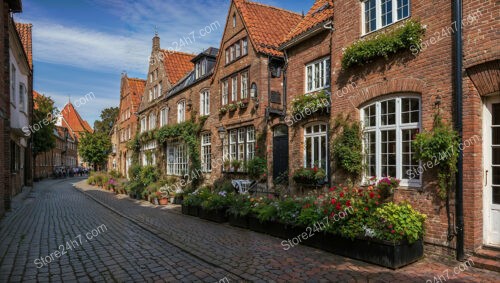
[160, 244]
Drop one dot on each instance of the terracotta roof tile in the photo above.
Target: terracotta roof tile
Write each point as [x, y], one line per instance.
[177, 65]
[73, 121]
[267, 25]
[35, 96]
[137, 88]
[320, 12]
[24, 31]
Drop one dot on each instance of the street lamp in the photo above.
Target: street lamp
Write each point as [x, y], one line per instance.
[222, 133]
[253, 91]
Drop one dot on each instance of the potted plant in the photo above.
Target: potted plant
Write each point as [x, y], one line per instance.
[386, 186]
[223, 110]
[238, 211]
[214, 207]
[227, 165]
[310, 176]
[236, 165]
[192, 202]
[232, 107]
[163, 200]
[242, 104]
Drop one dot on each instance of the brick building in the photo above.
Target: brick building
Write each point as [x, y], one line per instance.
[166, 69]
[131, 91]
[248, 83]
[63, 155]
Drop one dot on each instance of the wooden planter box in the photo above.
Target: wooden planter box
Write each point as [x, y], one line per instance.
[239, 221]
[191, 210]
[383, 253]
[215, 215]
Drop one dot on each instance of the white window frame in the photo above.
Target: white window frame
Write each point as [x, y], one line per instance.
[13, 85]
[152, 121]
[378, 15]
[244, 85]
[231, 53]
[321, 134]
[399, 127]
[234, 88]
[177, 159]
[163, 117]
[205, 102]
[240, 145]
[244, 46]
[317, 75]
[144, 125]
[181, 111]
[237, 48]
[206, 152]
[225, 92]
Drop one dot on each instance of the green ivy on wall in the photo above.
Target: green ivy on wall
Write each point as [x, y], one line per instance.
[402, 38]
[309, 103]
[348, 147]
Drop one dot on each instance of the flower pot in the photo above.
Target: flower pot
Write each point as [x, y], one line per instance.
[239, 221]
[215, 215]
[163, 201]
[171, 200]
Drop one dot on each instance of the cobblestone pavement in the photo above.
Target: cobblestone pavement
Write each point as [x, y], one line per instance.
[257, 257]
[54, 213]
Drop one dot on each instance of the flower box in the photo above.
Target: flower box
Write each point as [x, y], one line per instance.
[214, 215]
[272, 228]
[190, 210]
[239, 221]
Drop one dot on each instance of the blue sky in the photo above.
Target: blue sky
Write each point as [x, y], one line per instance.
[83, 46]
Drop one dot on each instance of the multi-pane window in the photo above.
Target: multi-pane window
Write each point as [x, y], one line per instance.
[240, 145]
[205, 102]
[238, 49]
[22, 97]
[316, 148]
[201, 68]
[152, 121]
[227, 57]
[231, 53]
[318, 75]
[380, 13]
[177, 159]
[13, 85]
[390, 126]
[206, 152]
[144, 126]
[225, 91]
[234, 89]
[163, 117]
[244, 85]
[244, 48]
[181, 111]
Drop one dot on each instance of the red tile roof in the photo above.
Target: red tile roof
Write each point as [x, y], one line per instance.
[35, 96]
[177, 65]
[321, 12]
[24, 31]
[266, 25]
[73, 121]
[137, 89]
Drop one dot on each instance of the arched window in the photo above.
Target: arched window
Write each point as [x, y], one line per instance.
[389, 127]
[316, 146]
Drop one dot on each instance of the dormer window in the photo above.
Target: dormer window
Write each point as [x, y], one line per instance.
[201, 68]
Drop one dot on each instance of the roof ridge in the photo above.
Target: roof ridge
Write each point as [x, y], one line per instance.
[177, 52]
[137, 79]
[272, 7]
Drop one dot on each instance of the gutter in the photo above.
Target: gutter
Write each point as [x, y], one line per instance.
[310, 33]
[458, 84]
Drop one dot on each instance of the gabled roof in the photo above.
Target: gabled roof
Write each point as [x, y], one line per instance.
[319, 14]
[177, 65]
[73, 121]
[137, 89]
[209, 52]
[24, 31]
[266, 25]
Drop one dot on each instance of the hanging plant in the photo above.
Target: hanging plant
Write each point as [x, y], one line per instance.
[440, 146]
[402, 38]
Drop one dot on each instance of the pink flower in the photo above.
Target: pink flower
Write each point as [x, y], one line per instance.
[392, 231]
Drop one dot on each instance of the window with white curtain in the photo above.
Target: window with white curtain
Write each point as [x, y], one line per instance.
[163, 117]
[381, 13]
[205, 102]
[318, 75]
[181, 111]
[152, 121]
[225, 91]
[234, 89]
[316, 146]
[144, 125]
[389, 127]
[244, 85]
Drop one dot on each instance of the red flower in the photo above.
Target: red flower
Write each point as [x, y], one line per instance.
[366, 208]
[376, 203]
[341, 194]
[334, 201]
[390, 226]
[348, 203]
[333, 189]
[392, 231]
[372, 194]
[315, 169]
[338, 207]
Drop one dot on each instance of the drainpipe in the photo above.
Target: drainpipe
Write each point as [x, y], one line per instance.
[329, 26]
[458, 58]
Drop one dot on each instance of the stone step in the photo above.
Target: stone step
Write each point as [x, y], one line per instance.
[488, 253]
[485, 263]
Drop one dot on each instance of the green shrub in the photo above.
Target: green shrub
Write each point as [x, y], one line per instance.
[217, 200]
[266, 210]
[348, 148]
[148, 175]
[134, 172]
[402, 38]
[398, 221]
[288, 210]
[240, 205]
[256, 168]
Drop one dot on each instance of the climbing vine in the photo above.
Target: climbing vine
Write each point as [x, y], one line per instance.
[348, 147]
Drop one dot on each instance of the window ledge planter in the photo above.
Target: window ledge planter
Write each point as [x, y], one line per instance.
[214, 215]
[232, 107]
[190, 210]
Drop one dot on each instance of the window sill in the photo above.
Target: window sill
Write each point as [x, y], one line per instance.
[317, 90]
[383, 28]
[236, 60]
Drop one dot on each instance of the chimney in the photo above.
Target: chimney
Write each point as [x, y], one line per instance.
[156, 42]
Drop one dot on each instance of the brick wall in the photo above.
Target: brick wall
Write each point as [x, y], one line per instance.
[428, 75]
[4, 107]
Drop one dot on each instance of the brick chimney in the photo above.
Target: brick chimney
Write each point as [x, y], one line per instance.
[156, 42]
